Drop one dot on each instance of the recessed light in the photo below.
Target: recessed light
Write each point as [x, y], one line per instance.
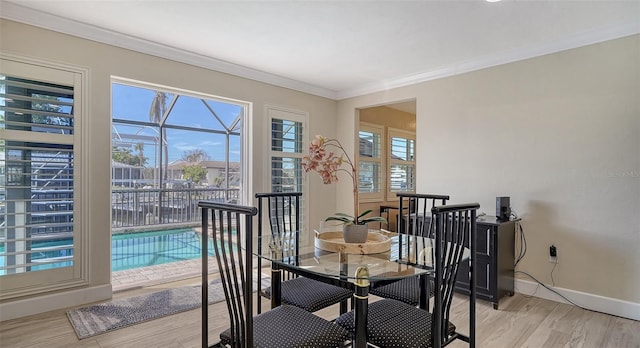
[493, 0]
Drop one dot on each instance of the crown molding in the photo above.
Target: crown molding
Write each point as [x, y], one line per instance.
[12, 11]
[17, 13]
[575, 41]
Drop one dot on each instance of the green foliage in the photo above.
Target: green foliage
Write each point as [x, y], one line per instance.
[218, 181]
[44, 105]
[126, 156]
[348, 219]
[194, 172]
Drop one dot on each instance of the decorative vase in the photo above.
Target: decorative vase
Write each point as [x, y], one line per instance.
[355, 233]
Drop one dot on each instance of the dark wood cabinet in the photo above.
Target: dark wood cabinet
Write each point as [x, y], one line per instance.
[494, 260]
[495, 257]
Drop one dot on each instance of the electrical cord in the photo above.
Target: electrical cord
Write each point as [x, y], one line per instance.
[522, 251]
[561, 295]
[554, 291]
[553, 282]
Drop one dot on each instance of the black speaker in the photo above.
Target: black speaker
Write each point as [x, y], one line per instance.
[503, 208]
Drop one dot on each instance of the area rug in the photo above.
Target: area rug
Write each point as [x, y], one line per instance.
[100, 318]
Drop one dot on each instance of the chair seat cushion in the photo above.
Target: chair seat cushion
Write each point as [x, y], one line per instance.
[309, 294]
[406, 290]
[395, 324]
[290, 326]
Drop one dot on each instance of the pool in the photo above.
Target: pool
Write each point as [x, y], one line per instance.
[134, 250]
[130, 250]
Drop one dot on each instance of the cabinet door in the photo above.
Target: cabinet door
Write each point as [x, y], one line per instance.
[483, 275]
[484, 242]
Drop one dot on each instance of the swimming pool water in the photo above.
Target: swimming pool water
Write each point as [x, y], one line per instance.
[133, 250]
[154, 248]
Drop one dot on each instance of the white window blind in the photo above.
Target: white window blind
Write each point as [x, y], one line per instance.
[37, 181]
[287, 136]
[370, 162]
[402, 166]
[286, 159]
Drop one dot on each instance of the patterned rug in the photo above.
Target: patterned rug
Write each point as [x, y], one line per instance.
[100, 318]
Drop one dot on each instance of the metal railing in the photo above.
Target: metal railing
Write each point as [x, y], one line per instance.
[144, 207]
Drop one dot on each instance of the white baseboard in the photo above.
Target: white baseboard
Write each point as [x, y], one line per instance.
[598, 303]
[51, 302]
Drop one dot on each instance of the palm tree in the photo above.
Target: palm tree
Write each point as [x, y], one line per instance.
[141, 159]
[156, 112]
[195, 156]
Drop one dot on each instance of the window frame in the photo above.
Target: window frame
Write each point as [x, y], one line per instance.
[399, 133]
[377, 196]
[283, 113]
[31, 283]
[168, 124]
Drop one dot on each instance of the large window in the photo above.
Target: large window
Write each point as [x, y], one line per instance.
[287, 136]
[402, 165]
[171, 149]
[370, 162]
[40, 139]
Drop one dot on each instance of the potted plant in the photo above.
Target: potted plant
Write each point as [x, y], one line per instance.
[324, 160]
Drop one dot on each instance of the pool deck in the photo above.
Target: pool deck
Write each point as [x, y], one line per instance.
[157, 274]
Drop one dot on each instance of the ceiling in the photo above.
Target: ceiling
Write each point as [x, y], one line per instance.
[337, 49]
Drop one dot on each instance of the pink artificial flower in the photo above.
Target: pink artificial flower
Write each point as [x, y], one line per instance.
[323, 161]
[326, 163]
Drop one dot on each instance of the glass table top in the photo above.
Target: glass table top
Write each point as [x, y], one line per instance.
[407, 256]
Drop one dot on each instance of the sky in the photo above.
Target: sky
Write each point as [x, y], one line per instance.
[133, 103]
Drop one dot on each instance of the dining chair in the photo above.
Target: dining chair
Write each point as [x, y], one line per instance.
[412, 223]
[393, 323]
[282, 209]
[230, 225]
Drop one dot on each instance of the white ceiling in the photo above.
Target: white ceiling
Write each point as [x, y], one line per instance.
[337, 49]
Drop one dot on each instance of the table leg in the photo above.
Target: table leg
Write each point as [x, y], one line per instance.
[425, 289]
[361, 297]
[276, 288]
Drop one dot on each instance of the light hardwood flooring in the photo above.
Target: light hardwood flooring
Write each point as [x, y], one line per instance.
[521, 321]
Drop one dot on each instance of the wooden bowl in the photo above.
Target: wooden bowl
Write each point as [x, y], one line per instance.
[333, 241]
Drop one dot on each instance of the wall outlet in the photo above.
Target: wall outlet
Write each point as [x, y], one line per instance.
[553, 254]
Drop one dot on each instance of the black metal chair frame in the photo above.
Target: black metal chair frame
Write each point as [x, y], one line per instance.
[417, 213]
[418, 207]
[278, 229]
[239, 299]
[394, 323]
[231, 225]
[283, 228]
[455, 228]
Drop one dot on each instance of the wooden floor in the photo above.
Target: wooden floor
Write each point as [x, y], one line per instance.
[520, 322]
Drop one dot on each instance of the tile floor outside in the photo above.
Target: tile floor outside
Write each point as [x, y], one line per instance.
[156, 274]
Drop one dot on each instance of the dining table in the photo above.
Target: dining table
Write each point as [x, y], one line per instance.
[407, 256]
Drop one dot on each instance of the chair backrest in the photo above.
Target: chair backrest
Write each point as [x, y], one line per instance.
[282, 210]
[415, 218]
[231, 225]
[455, 229]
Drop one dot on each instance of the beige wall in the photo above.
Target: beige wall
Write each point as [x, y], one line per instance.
[104, 61]
[560, 135]
[389, 117]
